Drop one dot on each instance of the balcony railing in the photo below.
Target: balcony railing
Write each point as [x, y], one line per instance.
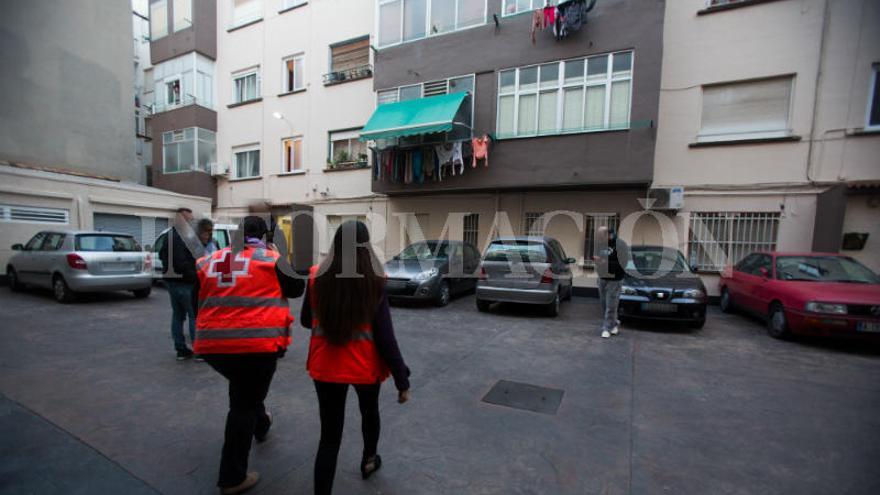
[161, 106]
[339, 77]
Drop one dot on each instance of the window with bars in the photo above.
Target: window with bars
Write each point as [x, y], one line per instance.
[533, 223]
[592, 224]
[32, 214]
[717, 239]
[471, 228]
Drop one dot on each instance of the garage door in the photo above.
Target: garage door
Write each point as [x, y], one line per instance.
[144, 229]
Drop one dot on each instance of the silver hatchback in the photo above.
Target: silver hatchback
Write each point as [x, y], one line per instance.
[81, 261]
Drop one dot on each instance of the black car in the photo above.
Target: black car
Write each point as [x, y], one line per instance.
[432, 271]
[659, 285]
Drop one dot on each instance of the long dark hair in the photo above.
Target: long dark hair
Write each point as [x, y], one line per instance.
[349, 285]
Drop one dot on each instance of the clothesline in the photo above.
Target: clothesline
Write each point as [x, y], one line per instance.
[425, 162]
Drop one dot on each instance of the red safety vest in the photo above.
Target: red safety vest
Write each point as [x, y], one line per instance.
[241, 307]
[356, 362]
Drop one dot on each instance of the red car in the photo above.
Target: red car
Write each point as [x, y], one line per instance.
[806, 293]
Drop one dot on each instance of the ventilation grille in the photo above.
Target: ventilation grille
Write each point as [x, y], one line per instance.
[29, 214]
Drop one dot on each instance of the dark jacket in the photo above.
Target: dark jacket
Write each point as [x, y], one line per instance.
[609, 266]
[184, 262]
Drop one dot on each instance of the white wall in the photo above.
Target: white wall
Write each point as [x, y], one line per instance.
[863, 215]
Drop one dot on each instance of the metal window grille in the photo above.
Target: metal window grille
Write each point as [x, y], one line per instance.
[434, 88]
[28, 214]
[717, 239]
[594, 221]
[533, 223]
[471, 228]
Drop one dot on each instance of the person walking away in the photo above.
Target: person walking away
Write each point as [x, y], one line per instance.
[610, 273]
[242, 328]
[179, 274]
[352, 343]
[205, 229]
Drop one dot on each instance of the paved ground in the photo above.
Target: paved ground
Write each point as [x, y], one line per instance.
[92, 401]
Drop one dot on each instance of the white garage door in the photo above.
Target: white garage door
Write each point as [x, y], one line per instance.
[144, 229]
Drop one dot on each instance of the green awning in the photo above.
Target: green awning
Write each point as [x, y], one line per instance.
[412, 117]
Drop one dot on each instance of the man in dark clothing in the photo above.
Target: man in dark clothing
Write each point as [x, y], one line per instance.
[610, 273]
[179, 266]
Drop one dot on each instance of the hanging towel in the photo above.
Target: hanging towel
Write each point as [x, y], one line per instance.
[444, 153]
[428, 157]
[481, 150]
[457, 159]
[549, 16]
[417, 166]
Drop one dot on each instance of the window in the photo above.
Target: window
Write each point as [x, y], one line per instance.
[346, 149]
[188, 150]
[291, 150]
[350, 60]
[182, 14]
[460, 84]
[581, 95]
[172, 92]
[245, 11]
[184, 80]
[533, 224]
[289, 4]
[471, 228]
[719, 238]
[148, 80]
[873, 119]
[246, 86]
[247, 163]
[746, 110]
[293, 73]
[31, 214]
[53, 242]
[158, 19]
[408, 20]
[594, 221]
[512, 7]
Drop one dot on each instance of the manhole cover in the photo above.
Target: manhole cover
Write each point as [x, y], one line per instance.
[524, 396]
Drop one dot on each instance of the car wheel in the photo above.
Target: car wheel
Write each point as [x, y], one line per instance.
[444, 294]
[142, 293]
[568, 293]
[726, 303]
[483, 305]
[553, 308]
[698, 324]
[15, 284]
[777, 325]
[61, 291]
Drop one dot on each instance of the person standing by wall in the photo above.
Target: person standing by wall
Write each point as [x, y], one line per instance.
[179, 275]
[352, 343]
[243, 327]
[610, 273]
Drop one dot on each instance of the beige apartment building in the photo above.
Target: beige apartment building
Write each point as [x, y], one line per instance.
[769, 120]
[294, 87]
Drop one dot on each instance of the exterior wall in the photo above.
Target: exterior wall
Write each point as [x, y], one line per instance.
[862, 214]
[597, 158]
[200, 37]
[82, 197]
[66, 89]
[143, 94]
[311, 113]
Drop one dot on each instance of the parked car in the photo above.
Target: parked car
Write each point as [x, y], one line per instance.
[432, 270]
[72, 262]
[659, 285]
[805, 293]
[222, 237]
[525, 270]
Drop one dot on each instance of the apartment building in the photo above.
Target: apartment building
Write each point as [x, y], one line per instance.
[294, 87]
[570, 110]
[183, 120]
[769, 113]
[143, 94]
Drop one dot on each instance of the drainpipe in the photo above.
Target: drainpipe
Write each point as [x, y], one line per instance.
[815, 117]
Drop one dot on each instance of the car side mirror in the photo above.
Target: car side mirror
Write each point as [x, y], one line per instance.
[570, 261]
[17, 247]
[764, 272]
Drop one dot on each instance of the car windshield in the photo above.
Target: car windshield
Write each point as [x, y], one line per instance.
[424, 251]
[824, 269]
[656, 259]
[106, 243]
[526, 251]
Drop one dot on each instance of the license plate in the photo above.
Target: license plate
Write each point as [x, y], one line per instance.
[659, 308]
[396, 284]
[868, 326]
[118, 267]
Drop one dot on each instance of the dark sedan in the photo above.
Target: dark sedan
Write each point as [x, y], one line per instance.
[659, 285]
[432, 271]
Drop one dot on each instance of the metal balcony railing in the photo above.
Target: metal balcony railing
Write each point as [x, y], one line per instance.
[339, 77]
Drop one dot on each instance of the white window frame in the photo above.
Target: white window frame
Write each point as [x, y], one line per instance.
[154, 37]
[535, 4]
[189, 17]
[289, 4]
[761, 134]
[234, 23]
[428, 34]
[253, 71]
[296, 170]
[560, 88]
[245, 149]
[872, 94]
[348, 135]
[196, 140]
[297, 56]
[165, 83]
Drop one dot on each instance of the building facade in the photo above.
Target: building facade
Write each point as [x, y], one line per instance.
[143, 95]
[776, 147]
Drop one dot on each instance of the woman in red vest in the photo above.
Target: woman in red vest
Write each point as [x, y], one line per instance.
[352, 343]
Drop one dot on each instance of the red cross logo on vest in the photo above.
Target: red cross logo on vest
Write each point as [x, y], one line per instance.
[226, 268]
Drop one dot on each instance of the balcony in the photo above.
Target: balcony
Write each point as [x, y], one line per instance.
[187, 100]
[348, 75]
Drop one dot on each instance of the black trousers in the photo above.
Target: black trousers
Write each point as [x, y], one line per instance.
[331, 402]
[249, 378]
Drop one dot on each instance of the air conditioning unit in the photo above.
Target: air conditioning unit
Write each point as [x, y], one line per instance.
[666, 198]
[219, 169]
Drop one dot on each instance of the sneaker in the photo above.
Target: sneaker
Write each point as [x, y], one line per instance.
[249, 481]
[184, 354]
[615, 330]
[605, 334]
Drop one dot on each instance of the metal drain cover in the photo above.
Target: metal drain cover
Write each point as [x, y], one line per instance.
[524, 396]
